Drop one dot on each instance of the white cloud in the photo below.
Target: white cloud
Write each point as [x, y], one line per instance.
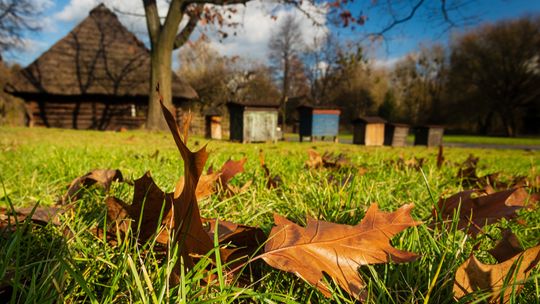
[257, 24]
[386, 63]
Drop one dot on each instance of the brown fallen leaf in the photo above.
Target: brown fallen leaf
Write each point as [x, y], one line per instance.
[477, 211]
[440, 157]
[327, 160]
[100, 177]
[498, 280]
[149, 205]
[413, 163]
[41, 216]
[335, 161]
[229, 169]
[271, 181]
[467, 171]
[188, 228]
[245, 240]
[205, 187]
[336, 249]
[315, 159]
[233, 190]
[507, 247]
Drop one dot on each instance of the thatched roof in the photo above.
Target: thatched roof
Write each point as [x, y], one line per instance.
[99, 56]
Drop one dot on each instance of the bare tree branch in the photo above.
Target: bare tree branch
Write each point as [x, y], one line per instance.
[152, 20]
[401, 20]
[184, 34]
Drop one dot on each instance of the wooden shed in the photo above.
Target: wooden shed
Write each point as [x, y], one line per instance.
[212, 126]
[318, 121]
[253, 121]
[395, 134]
[428, 135]
[368, 130]
[96, 77]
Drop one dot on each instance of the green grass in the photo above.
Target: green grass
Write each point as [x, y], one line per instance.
[492, 140]
[70, 264]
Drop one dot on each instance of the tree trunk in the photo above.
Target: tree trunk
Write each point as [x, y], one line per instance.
[161, 74]
[507, 123]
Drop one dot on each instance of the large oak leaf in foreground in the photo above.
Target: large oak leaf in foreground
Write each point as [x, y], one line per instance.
[188, 227]
[337, 249]
[473, 276]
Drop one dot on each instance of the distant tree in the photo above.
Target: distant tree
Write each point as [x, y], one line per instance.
[285, 46]
[207, 72]
[258, 85]
[12, 109]
[321, 62]
[495, 69]
[388, 108]
[16, 18]
[420, 83]
[352, 85]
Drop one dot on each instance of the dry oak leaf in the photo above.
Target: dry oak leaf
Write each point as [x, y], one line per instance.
[473, 276]
[229, 169]
[336, 249]
[207, 183]
[205, 187]
[507, 247]
[315, 159]
[271, 181]
[440, 157]
[188, 227]
[101, 177]
[480, 210]
[149, 210]
[246, 240]
[39, 215]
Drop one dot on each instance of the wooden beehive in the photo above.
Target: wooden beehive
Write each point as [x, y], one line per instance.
[212, 128]
[318, 121]
[395, 134]
[369, 131]
[253, 122]
[428, 135]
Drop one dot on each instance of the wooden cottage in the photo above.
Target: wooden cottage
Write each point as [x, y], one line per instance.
[96, 77]
[369, 131]
[318, 121]
[395, 134]
[212, 123]
[428, 135]
[253, 121]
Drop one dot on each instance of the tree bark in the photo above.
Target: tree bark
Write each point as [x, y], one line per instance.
[161, 73]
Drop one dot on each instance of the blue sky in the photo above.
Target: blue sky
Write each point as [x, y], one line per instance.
[252, 38]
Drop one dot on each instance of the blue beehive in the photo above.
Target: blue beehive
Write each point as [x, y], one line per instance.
[318, 121]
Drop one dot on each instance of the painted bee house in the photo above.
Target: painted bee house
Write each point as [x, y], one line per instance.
[253, 122]
[318, 121]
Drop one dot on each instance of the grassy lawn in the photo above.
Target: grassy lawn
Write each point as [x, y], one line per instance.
[491, 140]
[67, 263]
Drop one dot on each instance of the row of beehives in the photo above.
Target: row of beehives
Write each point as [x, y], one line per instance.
[375, 131]
[255, 123]
[369, 131]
